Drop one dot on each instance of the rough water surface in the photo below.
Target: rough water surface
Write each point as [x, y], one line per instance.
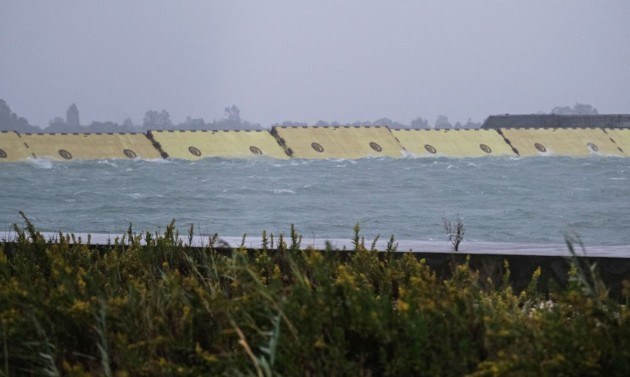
[499, 199]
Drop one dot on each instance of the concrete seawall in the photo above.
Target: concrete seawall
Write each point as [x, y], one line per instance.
[453, 143]
[342, 142]
[489, 258]
[195, 145]
[95, 146]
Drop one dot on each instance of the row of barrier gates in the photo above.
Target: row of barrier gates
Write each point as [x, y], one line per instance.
[343, 142]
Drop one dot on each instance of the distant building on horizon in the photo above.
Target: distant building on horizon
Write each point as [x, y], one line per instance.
[557, 121]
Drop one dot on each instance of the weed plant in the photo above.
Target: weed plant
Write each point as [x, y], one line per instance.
[150, 305]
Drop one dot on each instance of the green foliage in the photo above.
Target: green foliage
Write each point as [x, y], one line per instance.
[152, 305]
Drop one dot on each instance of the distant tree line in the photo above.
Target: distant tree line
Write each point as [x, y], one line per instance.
[9, 121]
[161, 120]
[577, 109]
[153, 120]
[441, 122]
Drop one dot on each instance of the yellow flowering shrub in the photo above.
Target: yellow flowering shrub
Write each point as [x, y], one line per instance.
[151, 305]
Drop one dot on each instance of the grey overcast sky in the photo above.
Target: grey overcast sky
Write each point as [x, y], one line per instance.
[310, 60]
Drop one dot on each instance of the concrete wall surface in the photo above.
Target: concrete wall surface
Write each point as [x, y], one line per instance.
[621, 138]
[342, 142]
[581, 142]
[65, 147]
[453, 143]
[195, 145]
[347, 142]
[12, 147]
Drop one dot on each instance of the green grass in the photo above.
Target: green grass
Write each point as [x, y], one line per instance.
[169, 309]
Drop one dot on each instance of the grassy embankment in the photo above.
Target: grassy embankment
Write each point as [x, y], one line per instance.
[167, 309]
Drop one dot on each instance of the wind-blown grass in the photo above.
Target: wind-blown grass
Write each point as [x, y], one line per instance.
[168, 309]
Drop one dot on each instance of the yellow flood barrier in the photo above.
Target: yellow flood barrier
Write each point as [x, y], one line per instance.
[621, 138]
[349, 142]
[453, 143]
[577, 142]
[95, 146]
[194, 145]
[12, 147]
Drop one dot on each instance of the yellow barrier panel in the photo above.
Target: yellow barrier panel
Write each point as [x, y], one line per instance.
[64, 147]
[194, 145]
[12, 147]
[347, 142]
[577, 142]
[621, 138]
[453, 143]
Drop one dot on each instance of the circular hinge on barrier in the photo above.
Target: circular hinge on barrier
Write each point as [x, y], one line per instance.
[317, 147]
[255, 150]
[540, 147]
[592, 147]
[194, 151]
[376, 147]
[485, 148]
[3, 154]
[129, 153]
[430, 148]
[65, 154]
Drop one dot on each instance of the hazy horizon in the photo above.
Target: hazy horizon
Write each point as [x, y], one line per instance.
[345, 61]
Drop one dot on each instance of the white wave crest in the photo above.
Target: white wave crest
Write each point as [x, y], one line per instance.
[41, 163]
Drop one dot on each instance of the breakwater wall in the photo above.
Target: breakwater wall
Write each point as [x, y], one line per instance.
[491, 259]
[331, 142]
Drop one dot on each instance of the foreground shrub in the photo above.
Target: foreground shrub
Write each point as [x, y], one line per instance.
[150, 305]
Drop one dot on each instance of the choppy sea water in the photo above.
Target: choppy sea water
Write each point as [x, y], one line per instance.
[498, 199]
